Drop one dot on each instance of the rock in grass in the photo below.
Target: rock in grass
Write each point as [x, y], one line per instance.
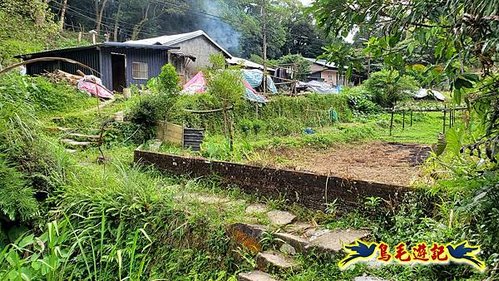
[247, 235]
[274, 262]
[296, 241]
[368, 278]
[287, 249]
[75, 144]
[256, 209]
[300, 228]
[83, 137]
[256, 275]
[155, 145]
[333, 240]
[280, 218]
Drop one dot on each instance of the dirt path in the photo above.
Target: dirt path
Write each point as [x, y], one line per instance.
[391, 163]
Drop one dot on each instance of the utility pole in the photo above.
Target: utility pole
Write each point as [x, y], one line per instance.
[264, 31]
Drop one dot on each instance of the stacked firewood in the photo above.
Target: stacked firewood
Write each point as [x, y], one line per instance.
[62, 76]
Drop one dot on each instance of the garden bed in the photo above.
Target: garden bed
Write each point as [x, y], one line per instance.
[389, 163]
[307, 189]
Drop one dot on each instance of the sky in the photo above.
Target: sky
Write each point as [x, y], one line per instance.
[306, 2]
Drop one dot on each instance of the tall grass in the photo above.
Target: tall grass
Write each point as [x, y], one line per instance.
[282, 114]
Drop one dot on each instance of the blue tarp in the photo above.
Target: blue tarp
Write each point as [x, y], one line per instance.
[320, 87]
[254, 78]
[254, 97]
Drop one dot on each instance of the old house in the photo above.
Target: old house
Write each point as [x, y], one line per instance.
[193, 53]
[119, 65]
[320, 70]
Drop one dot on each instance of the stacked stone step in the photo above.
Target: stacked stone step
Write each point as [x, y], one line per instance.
[292, 237]
[77, 141]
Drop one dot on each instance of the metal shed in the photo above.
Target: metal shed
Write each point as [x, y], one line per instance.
[119, 65]
[195, 50]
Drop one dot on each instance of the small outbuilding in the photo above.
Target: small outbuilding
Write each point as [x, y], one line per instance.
[321, 70]
[119, 65]
[193, 54]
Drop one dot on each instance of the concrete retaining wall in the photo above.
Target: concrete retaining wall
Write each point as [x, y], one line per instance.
[307, 189]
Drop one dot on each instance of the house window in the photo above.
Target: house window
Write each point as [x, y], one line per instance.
[140, 70]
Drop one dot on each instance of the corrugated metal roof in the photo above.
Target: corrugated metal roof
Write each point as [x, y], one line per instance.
[100, 45]
[322, 63]
[247, 63]
[170, 40]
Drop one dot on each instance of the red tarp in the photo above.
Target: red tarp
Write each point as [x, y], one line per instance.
[197, 85]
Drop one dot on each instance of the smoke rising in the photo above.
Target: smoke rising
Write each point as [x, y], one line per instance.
[210, 14]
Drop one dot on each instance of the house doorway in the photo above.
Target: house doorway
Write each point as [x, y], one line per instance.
[118, 66]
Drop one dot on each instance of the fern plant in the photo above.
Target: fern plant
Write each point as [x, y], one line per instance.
[16, 199]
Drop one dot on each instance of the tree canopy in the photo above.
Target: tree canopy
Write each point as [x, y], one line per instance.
[456, 39]
[235, 24]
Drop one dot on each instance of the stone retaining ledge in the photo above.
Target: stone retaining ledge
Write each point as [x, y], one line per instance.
[305, 188]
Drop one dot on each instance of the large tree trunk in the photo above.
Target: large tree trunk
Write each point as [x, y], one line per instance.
[100, 13]
[116, 23]
[63, 14]
[138, 27]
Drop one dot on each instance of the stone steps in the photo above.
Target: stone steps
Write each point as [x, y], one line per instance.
[275, 262]
[280, 218]
[291, 237]
[119, 116]
[74, 141]
[255, 275]
[72, 144]
[155, 145]
[82, 137]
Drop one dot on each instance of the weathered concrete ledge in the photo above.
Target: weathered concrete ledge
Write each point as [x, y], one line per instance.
[307, 189]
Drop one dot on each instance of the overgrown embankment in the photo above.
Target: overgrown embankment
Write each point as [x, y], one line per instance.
[283, 115]
[115, 220]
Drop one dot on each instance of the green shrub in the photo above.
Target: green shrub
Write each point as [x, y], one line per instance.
[17, 201]
[257, 126]
[157, 106]
[282, 126]
[360, 101]
[387, 87]
[168, 80]
[245, 126]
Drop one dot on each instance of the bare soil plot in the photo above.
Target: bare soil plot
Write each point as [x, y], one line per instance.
[390, 163]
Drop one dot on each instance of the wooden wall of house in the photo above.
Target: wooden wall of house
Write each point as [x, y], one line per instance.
[155, 59]
[316, 68]
[316, 76]
[87, 57]
[330, 76]
[201, 48]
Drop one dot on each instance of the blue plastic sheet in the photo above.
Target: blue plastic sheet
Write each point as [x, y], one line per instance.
[254, 78]
[254, 97]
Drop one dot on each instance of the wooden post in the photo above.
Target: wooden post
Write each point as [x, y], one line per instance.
[454, 116]
[391, 123]
[445, 116]
[411, 117]
[450, 118]
[453, 119]
[403, 120]
[264, 33]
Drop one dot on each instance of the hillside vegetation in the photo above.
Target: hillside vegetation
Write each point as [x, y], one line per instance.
[95, 215]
